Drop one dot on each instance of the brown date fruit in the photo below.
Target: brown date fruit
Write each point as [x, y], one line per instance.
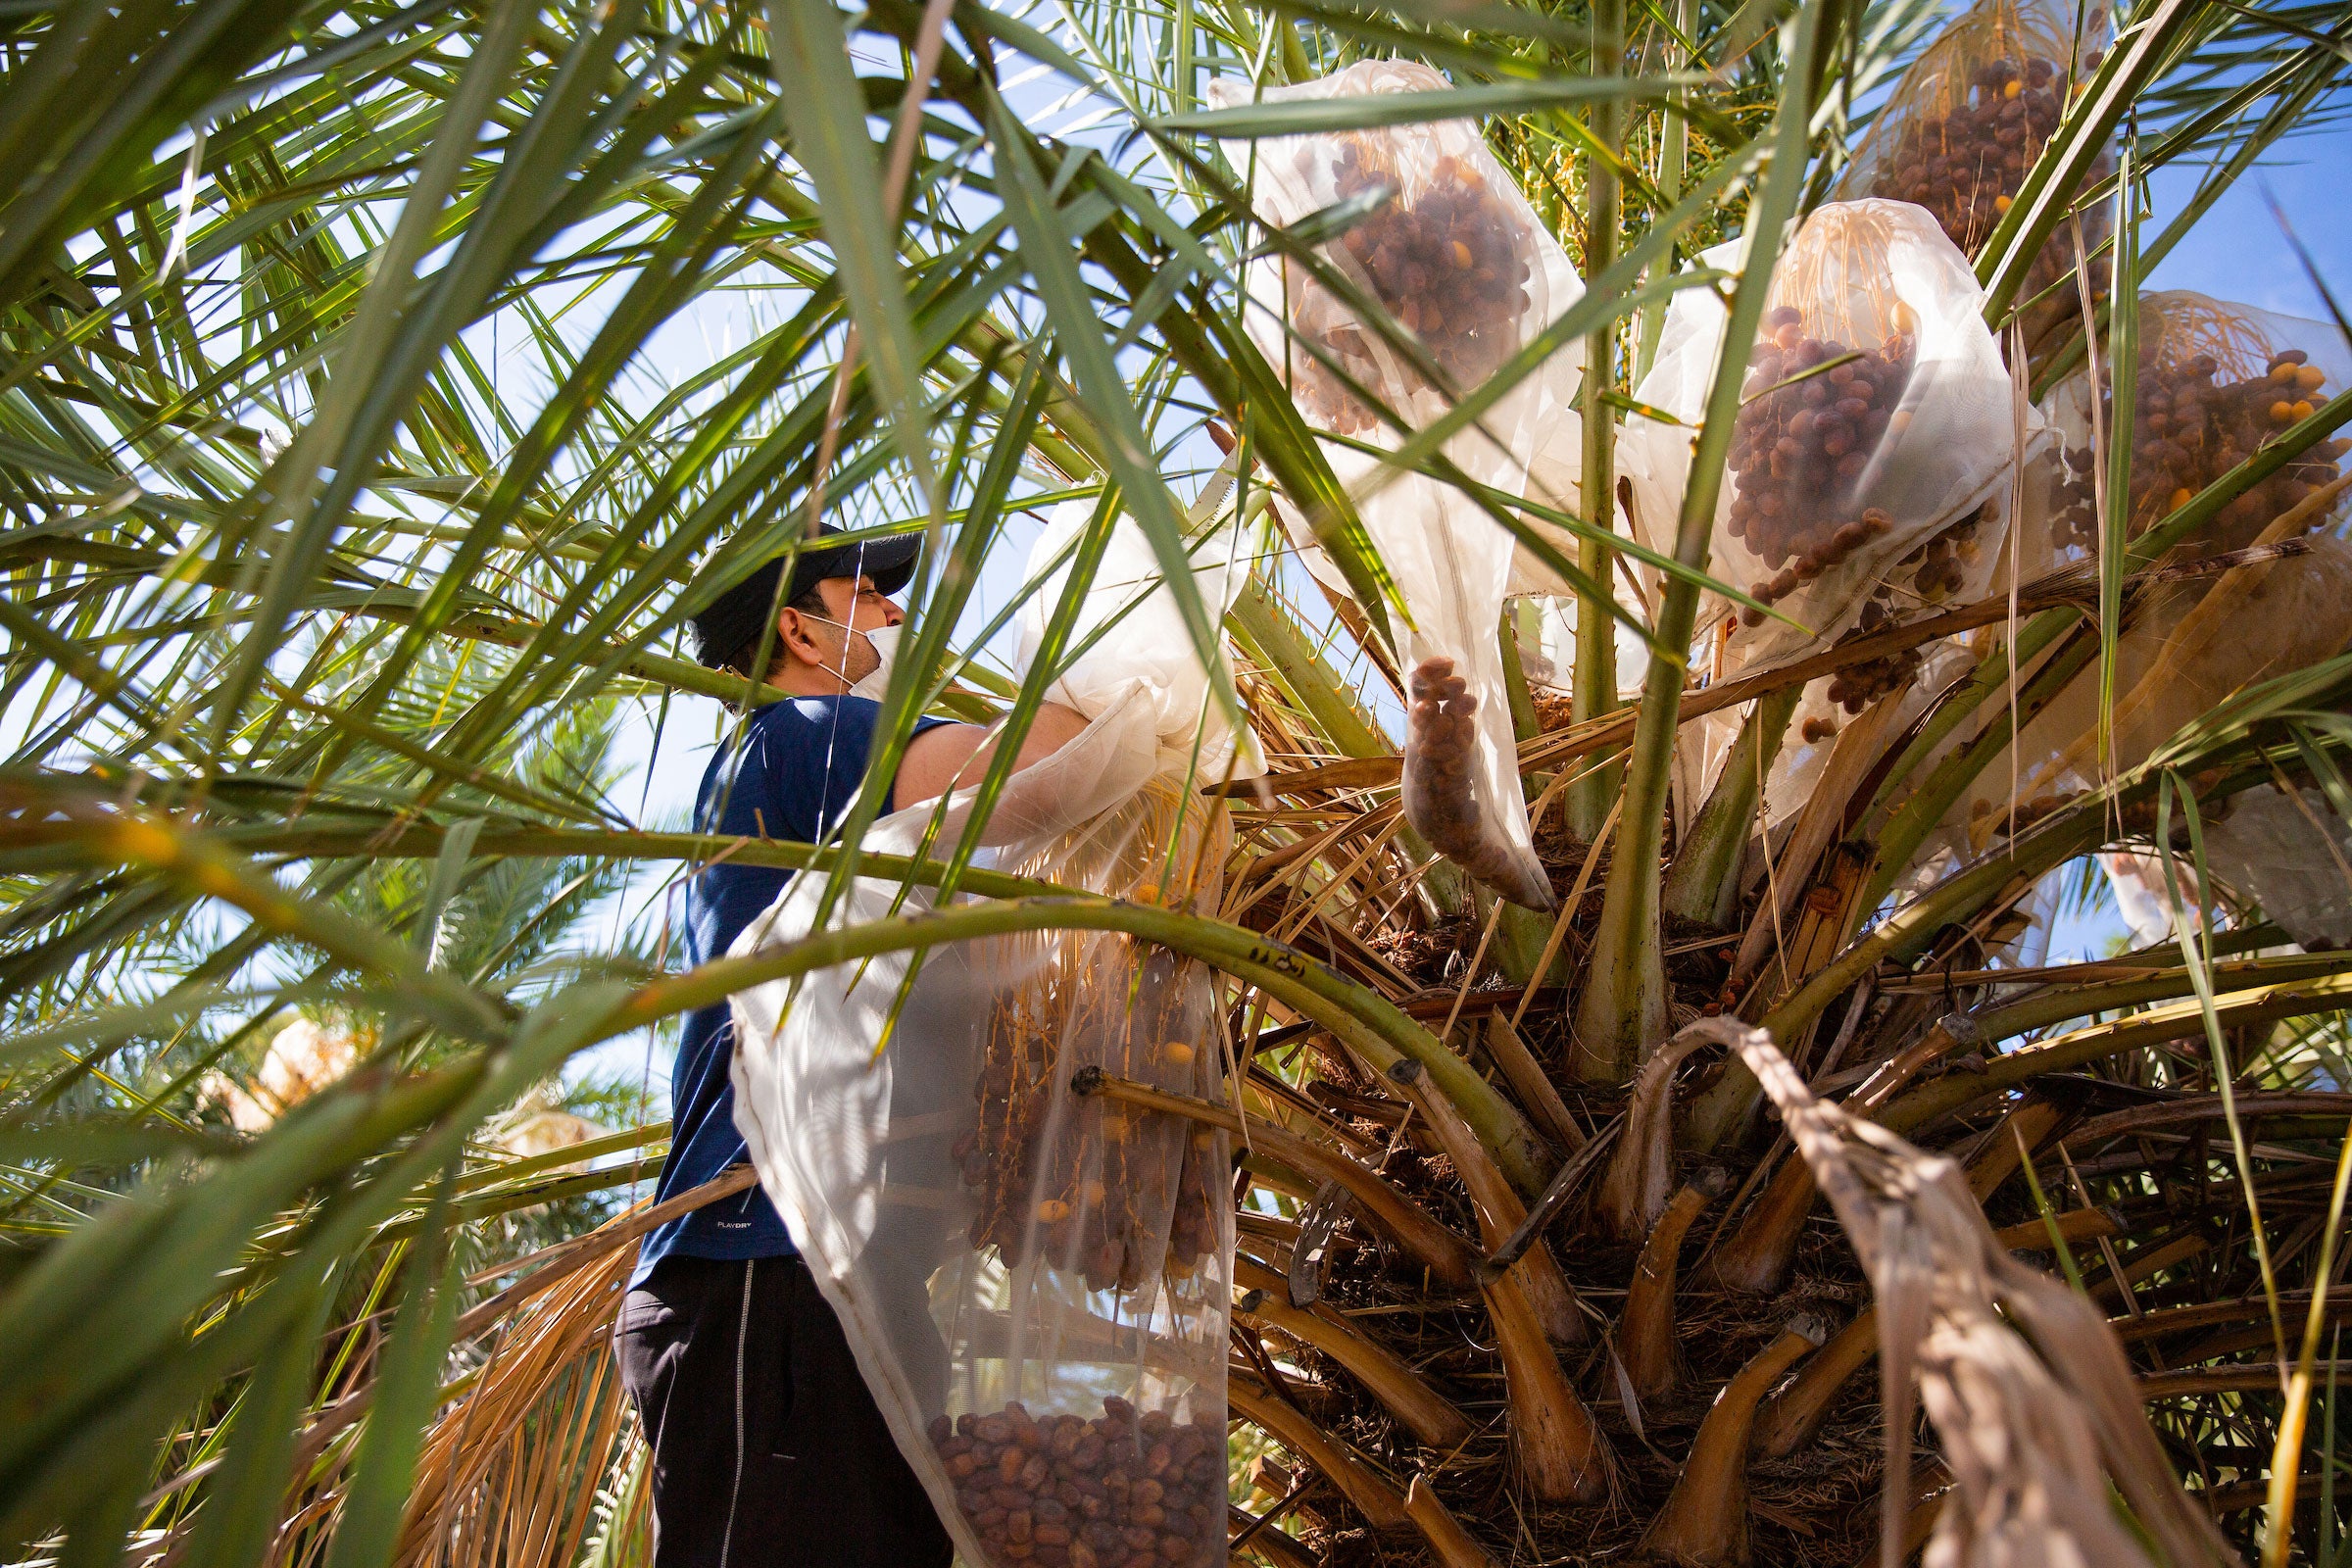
[1965, 161]
[1450, 264]
[1119, 1516]
[1441, 785]
[2192, 422]
[1813, 413]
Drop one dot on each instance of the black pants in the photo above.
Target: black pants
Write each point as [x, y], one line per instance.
[767, 1451]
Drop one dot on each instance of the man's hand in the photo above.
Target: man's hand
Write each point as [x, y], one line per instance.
[952, 755]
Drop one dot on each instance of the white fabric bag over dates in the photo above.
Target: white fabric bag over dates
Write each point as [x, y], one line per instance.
[2217, 382]
[1457, 260]
[1876, 420]
[1034, 1281]
[1868, 472]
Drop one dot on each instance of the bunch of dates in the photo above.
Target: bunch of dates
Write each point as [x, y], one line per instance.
[1965, 165]
[1451, 266]
[1801, 445]
[1928, 575]
[1119, 1194]
[1122, 1490]
[1441, 784]
[2191, 424]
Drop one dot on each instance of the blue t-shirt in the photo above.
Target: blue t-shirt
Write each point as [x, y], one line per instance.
[791, 774]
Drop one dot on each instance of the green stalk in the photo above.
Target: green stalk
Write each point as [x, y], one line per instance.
[2034, 638]
[1593, 690]
[2077, 830]
[1622, 1015]
[2123, 354]
[2286, 1455]
[1907, 933]
[1702, 883]
[1275, 643]
[1367, 1024]
[2096, 1042]
[1674, 158]
[1911, 930]
[1926, 809]
[1525, 726]
[1366, 1021]
[2056, 1002]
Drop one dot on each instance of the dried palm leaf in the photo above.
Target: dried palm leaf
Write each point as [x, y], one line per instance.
[2027, 1386]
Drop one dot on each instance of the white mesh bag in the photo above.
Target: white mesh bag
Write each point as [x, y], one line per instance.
[2193, 644]
[1842, 480]
[1035, 1283]
[2215, 382]
[1969, 119]
[2293, 857]
[1457, 260]
[1869, 473]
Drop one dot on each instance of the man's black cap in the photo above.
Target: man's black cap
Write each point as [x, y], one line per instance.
[739, 616]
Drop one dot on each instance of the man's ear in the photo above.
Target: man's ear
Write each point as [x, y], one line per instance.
[794, 637]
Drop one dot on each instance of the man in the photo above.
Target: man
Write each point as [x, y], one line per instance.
[767, 1450]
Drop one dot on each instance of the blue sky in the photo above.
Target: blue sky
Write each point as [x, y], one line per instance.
[2237, 251]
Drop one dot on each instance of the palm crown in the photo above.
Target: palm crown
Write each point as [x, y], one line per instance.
[361, 474]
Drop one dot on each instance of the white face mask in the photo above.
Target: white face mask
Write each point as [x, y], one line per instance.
[884, 642]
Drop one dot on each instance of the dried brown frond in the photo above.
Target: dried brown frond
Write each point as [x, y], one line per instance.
[2034, 1427]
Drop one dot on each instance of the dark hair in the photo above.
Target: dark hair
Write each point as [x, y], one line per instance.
[739, 615]
[810, 602]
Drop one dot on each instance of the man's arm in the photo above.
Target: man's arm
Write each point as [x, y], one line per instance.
[948, 756]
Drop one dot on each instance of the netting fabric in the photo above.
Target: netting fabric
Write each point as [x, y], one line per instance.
[2215, 382]
[1869, 473]
[2292, 857]
[2189, 647]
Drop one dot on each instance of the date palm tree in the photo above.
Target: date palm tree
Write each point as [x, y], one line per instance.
[382, 388]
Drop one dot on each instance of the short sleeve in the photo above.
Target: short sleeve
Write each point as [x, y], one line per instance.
[801, 763]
